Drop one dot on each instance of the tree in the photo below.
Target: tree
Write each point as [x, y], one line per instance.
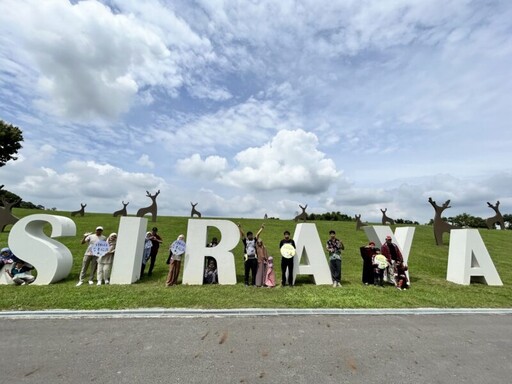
[10, 142]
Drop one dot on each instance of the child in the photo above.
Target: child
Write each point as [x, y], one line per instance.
[380, 263]
[19, 274]
[210, 274]
[105, 262]
[270, 277]
[400, 276]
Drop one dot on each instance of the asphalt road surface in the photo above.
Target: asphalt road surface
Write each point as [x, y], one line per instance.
[264, 349]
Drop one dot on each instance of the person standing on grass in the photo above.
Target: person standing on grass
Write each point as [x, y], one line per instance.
[156, 240]
[105, 262]
[287, 259]
[176, 251]
[262, 257]
[148, 244]
[250, 260]
[334, 246]
[270, 277]
[367, 252]
[89, 258]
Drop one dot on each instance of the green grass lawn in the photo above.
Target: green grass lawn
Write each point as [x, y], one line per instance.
[427, 265]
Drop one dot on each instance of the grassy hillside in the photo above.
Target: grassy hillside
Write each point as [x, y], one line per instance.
[427, 264]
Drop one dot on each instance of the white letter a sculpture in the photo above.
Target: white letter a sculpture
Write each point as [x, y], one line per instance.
[468, 257]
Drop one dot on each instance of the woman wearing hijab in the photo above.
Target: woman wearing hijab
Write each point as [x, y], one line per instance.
[177, 250]
[105, 262]
[262, 256]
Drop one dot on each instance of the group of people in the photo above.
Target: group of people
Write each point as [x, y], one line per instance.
[17, 269]
[384, 264]
[257, 261]
[101, 264]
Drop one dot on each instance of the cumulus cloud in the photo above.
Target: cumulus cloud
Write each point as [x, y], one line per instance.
[211, 167]
[92, 61]
[144, 161]
[291, 161]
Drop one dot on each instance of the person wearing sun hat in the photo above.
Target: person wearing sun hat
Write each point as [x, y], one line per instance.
[89, 258]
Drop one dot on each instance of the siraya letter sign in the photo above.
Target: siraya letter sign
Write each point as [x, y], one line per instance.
[53, 261]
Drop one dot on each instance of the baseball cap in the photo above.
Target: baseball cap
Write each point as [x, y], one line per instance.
[100, 228]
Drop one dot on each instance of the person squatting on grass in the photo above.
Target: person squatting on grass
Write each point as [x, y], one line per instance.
[89, 258]
[250, 260]
[105, 262]
[174, 265]
[19, 273]
[287, 262]
[334, 246]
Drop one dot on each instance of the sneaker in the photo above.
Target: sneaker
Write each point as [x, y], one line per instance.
[98, 283]
[79, 283]
[338, 284]
[91, 282]
[334, 285]
[107, 282]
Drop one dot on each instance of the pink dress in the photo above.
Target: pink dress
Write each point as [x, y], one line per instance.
[270, 277]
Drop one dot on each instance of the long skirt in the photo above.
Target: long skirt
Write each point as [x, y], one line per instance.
[261, 274]
[270, 278]
[174, 271]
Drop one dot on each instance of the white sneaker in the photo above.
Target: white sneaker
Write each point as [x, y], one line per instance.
[98, 283]
[107, 282]
[334, 285]
[79, 283]
[91, 282]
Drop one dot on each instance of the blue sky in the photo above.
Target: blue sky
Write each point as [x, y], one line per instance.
[254, 107]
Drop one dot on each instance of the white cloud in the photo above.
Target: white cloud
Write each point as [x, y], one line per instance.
[290, 162]
[211, 167]
[144, 161]
[91, 61]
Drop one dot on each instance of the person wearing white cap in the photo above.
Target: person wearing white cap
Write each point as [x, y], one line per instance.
[89, 258]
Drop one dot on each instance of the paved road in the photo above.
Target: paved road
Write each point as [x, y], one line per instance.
[266, 349]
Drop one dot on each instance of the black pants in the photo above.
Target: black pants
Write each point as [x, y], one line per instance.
[379, 276]
[152, 258]
[251, 265]
[287, 263]
[335, 265]
[367, 272]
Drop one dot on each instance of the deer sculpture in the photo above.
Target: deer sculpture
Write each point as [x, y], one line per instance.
[122, 212]
[497, 218]
[150, 209]
[440, 226]
[6, 216]
[385, 218]
[81, 211]
[302, 216]
[359, 223]
[194, 211]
